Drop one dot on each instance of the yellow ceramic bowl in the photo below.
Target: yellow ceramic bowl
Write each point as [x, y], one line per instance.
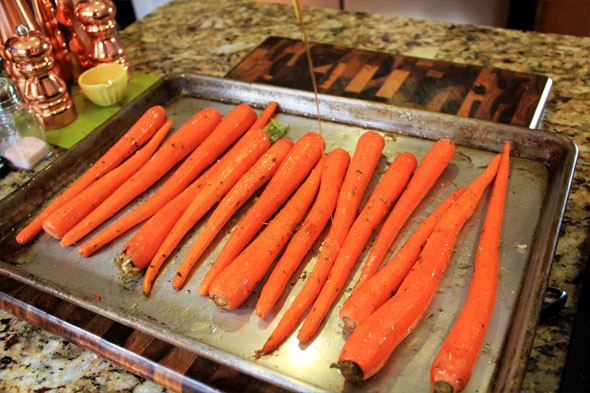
[104, 84]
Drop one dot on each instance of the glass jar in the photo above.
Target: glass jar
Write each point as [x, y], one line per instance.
[22, 140]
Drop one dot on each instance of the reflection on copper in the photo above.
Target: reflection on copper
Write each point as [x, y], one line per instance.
[79, 41]
[98, 20]
[47, 94]
[46, 16]
[12, 14]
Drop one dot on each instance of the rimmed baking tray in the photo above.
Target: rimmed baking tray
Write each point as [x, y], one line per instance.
[542, 167]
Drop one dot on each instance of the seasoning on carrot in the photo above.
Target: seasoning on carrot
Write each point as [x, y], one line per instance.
[432, 165]
[178, 146]
[314, 223]
[133, 139]
[239, 159]
[377, 289]
[74, 210]
[237, 281]
[301, 159]
[388, 190]
[139, 251]
[361, 169]
[233, 125]
[255, 178]
[453, 365]
[370, 345]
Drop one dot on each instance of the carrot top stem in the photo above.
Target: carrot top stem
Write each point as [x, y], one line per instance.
[275, 130]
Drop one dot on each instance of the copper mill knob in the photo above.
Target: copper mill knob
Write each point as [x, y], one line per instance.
[29, 50]
[97, 16]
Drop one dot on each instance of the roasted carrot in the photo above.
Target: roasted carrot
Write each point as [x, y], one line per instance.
[301, 159]
[432, 165]
[240, 158]
[453, 365]
[74, 210]
[362, 165]
[264, 116]
[377, 289]
[178, 146]
[388, 190]
[233, 286]
[142, 247]
[314, 223]
[139, 251]
[233, 125]
[133, 139]
[255, 178]
[370, 345]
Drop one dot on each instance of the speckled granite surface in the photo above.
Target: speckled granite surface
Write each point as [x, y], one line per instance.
[210, 37]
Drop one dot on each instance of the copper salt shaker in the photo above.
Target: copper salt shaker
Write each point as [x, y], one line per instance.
[47, 94]
[98, 20]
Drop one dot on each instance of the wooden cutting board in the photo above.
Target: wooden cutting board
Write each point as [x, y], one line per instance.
[435, 85]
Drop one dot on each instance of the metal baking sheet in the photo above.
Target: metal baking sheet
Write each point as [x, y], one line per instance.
[541, 171]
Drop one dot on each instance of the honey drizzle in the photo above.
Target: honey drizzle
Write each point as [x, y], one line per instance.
[299, 15]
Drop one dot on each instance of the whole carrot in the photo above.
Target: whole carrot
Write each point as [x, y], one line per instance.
[301, 159]
[233, 125]
[133, 139]
[237, 281]
[373, 341]
[432, 165]
[240, 158]
[388, 190]
[255, 178]
[314, 223]
[74, 210]
[377, 289]
[178, 146]
[362, 165]
[453, 365]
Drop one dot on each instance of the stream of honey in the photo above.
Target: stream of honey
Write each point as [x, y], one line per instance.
[299, 15]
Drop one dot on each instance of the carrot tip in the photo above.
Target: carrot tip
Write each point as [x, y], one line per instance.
[350, 371]
[443, 387]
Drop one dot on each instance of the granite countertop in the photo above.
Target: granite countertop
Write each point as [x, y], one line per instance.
[211, 37]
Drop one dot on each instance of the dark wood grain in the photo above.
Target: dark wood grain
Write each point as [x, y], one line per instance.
[175, 368]
[434, 85]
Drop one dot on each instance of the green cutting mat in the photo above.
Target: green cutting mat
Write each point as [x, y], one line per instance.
[91, 116]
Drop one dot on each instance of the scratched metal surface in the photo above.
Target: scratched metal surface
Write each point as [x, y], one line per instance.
[540, 176]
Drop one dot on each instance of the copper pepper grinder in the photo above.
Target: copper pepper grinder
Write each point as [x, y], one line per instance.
[47, 94]
[98, 21]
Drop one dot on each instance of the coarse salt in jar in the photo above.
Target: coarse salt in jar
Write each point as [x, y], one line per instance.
[22, 140]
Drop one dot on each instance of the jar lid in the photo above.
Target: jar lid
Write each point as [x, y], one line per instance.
[9, 96]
